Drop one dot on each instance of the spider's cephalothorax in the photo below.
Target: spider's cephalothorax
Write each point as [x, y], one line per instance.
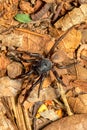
[42, 66]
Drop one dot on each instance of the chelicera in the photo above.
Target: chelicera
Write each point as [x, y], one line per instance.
[40, 66]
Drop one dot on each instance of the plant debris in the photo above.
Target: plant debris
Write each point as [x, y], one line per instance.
[43, 64]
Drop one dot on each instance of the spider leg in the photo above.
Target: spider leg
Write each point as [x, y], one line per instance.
[57, 77]
[41, 82]
[57, 42]
[32, 87]
[65, 66]
[27, 53]
[25, 74]
[19, 59]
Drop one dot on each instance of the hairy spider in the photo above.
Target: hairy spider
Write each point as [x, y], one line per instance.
[40, 65]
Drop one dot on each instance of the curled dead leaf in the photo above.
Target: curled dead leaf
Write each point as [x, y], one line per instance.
[78, 104]
[75, 122]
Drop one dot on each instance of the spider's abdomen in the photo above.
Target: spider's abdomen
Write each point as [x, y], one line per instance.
[42, 66]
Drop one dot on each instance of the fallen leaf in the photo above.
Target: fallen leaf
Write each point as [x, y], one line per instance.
[78, 104]
[81, 72]
[4, 61]
[76, 16]
[70, 42]
[12, 39]
[43, 94]
[49, 114]
[9, 87]
[27, 8]
[75, 122]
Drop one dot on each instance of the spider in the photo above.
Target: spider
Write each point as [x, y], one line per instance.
[40, 65]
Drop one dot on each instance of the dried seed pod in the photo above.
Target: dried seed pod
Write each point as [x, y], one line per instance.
[76, 16]
[14, 69]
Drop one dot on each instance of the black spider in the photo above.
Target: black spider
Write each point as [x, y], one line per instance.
[40, 65]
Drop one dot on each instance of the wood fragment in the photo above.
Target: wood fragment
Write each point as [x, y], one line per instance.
[63, 96]
[29, 32]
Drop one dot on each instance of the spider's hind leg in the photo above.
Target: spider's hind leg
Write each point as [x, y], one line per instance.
[32, 87]
[57, 77]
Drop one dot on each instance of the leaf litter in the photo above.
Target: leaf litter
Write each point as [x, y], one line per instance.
[49, 22]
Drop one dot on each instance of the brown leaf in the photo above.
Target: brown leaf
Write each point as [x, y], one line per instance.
[70, 42]
[78, 104]
[45, 94]
[82, 85]
[9, 87]
[75, 122]
[76, 16]
[12, 39]
[4, 61]
[81, 72]
[34, 42]
[26, 6]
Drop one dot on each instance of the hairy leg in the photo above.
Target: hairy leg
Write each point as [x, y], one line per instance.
[57, 77]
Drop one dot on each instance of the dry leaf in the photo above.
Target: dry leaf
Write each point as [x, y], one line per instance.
[81, 72]
[84, 36]
[12, 39]
[76, 16]
[10, 9]
[78, 104]
[4, 61]
[49, 1]
[70, 43]
[49, 114]
[34, 42]
[82, 85]
[75, 122]
[27, 8]
[45, 94]
[9, 87]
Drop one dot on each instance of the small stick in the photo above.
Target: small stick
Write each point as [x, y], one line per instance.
[30, 32]
[57, 12]
[63, 96]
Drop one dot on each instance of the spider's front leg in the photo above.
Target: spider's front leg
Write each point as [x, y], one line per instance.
[16, 55]
[66, 66]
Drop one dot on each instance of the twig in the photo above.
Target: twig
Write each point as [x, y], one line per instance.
[30, 32]
[63, 96]
[57, 12]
